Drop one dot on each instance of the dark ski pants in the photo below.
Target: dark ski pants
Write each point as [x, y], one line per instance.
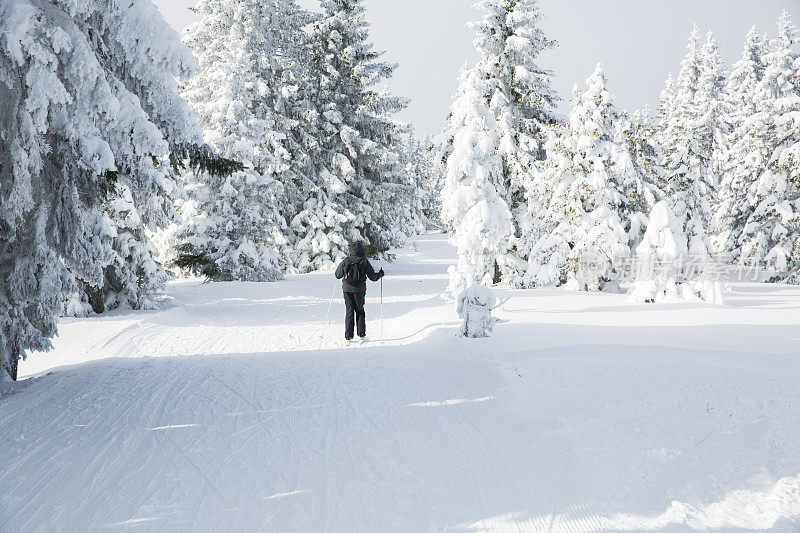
[354, 302]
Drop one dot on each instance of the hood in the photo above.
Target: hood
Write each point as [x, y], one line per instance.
[357, 250]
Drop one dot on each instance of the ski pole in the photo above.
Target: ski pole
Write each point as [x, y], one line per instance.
[382, 337]
[327, 316]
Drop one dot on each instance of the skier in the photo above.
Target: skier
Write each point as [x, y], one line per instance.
[354, 272]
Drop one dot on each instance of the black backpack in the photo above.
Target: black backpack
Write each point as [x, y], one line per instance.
[352, 272]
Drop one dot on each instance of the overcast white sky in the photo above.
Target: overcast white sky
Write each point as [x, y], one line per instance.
[639, 42]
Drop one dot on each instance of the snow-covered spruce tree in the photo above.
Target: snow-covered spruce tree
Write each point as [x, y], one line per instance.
[637, 132]
[434, 170]
[666, 106]
[359, 140]
[595, 193]
[247, 94]
[419, 167]
[133, 277]
[771, 234]
[325, 225]
[472, 196]
[689, 134]
[153, 122]
[746, 150]
[90, 114]
[237, 230]
[519, 94]
[710, 97]
[411, 189]
[447, 140]
[666, 102]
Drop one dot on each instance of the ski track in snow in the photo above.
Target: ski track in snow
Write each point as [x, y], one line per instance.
[238, 408]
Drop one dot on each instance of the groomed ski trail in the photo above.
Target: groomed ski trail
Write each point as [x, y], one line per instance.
[239, 408]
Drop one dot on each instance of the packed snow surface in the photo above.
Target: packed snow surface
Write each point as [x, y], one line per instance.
[239, 408]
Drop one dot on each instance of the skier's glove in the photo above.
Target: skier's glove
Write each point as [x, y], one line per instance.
[381, 272]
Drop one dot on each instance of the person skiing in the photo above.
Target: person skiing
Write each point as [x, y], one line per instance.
[354, 272]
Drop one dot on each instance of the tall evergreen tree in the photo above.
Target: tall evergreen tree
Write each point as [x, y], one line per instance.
[666, 101]
[709, 98]
[509, 41]
[595, 188]
[243, 95]
[420, 168]
[473, 206]
[637, 131]
[746, 149]
[91, 118]
[688, 133]
[359, 140]
[771, 234]
[666, 107]
[435, 167]
[518, 93]
[247, 94]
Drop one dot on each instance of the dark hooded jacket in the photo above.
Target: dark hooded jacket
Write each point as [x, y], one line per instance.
[356, 253]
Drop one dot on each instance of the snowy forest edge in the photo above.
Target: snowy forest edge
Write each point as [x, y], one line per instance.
[263, 144]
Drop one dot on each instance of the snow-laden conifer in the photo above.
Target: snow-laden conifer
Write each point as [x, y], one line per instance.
[364, 188]
[473, 204]
[246, 93]
[665, 270]
[709, 97]
[434, 174]
[637, 132]
[595, 188]
[509, 41]
[237, 231]
[688, 135]
[90, 116]
[746, 150]
[771, 234]
[666, 106]
[419, 165]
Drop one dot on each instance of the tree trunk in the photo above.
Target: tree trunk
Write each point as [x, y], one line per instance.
[14, 364]
[498, 277]
[10, 366]
[95, 297]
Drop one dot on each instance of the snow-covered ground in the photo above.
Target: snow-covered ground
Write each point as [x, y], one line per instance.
[239, 409]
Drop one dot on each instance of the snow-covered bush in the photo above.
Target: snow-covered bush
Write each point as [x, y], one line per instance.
[474, 306]
[658, 258]
[665, 268]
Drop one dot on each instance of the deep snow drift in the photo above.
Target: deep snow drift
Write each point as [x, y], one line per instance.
[238, 409]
